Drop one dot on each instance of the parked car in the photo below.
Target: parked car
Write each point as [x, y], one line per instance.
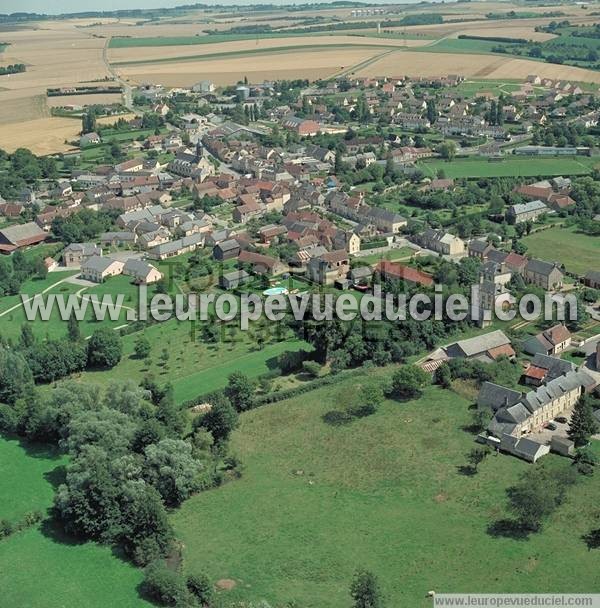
[561, 419]
[551, 426]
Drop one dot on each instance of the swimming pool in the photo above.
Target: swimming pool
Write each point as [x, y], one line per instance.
[275, 291]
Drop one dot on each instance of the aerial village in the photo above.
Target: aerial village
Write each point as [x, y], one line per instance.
[340, 185]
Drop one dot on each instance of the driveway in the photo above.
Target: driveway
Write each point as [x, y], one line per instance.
[545, 435]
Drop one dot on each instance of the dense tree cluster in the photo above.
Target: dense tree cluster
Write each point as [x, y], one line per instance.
[346, 345]
[23, 169]
[82, 226]
[52, 359]
[130, 457]
[18, 268]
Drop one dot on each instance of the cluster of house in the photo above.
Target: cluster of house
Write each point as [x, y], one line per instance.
[502, 266]
[554, 193]
[96, 267]
[517, 417]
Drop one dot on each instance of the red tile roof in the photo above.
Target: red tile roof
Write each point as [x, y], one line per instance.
[405, 273]
[504, 349]
[535, 372]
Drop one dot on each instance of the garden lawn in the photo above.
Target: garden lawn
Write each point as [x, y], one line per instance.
[509, 167]
[402, 253]
[32, 287]
[56, 327]
[384, 493]
[39, 568]
[579, 252]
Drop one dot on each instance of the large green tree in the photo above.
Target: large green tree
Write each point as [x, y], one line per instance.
[104, 348]
[365, 591]
[583, 424]
[240, 391]
[409, 381]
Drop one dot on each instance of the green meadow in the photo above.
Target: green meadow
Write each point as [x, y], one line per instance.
[579, 252]
[39, 566]
[509, 166]
[385, 492]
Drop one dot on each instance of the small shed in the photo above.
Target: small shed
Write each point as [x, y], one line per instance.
[562, 445]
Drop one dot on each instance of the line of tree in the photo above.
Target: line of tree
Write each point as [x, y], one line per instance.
[14, 68]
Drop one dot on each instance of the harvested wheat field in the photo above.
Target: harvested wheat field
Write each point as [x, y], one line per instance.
[26, 108]
[306, 63]
[152, 54]
[414, 63]
[47, 135]
[502, 27]
[84, 100]
[56, 54]
[41, 136]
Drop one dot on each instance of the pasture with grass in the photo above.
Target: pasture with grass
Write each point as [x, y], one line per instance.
[509, 166]
[385, 492]
[41, 566]
[579, 252]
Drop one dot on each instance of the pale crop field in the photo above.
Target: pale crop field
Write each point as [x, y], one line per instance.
[84, 100]
[496, 67]
[56, 54]
[46, 135]
[304, 63]
[163, 53]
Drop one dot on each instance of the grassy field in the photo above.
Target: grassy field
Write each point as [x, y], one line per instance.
[512, 166]
[194, 367]
[22, 471]
[456, 45]
[317, 501]
[579, 252]
[39, 568]
[123, 43]
[55, 327]
[472, 88]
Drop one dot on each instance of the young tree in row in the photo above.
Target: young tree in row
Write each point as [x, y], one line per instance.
[240, 391]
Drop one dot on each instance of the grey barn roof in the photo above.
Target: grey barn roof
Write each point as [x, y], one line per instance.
[540, 267]
[97, 263]
[495, 396]
[556, 367]
[480, 344]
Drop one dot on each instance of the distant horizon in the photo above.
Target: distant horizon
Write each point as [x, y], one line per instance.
[82, 6]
